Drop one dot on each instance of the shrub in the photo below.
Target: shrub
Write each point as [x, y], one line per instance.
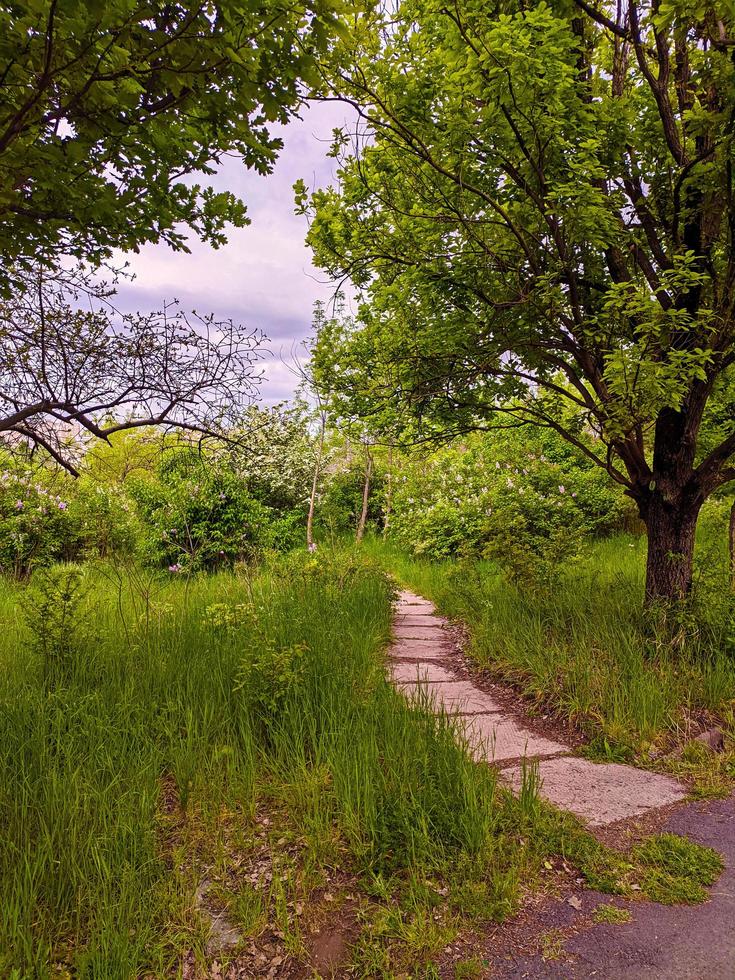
[198, 516]
[516, 497]
[35, 529]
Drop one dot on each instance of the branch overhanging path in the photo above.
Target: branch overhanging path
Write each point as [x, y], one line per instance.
[599, 793]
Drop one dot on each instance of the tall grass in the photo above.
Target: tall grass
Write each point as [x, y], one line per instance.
[585, 647]
[217, 691]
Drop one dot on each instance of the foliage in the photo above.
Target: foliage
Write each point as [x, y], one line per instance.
[537, 206]
[197, 515]
[34, 520]
[269, 675]
[340, 501]
[106, 107]
[517, 496]
[53, 616]
[275, 454]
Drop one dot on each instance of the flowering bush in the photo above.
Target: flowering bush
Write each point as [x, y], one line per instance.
[519, 497]
[35, 529]
[197, 517]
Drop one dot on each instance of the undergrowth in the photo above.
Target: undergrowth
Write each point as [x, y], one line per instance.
[586, 650]
[163, 734]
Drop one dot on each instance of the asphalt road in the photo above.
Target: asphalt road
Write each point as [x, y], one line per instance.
[661, 942]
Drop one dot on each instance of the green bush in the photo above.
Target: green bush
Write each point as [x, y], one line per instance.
[519, 497]
[197, 516]
[35, 526]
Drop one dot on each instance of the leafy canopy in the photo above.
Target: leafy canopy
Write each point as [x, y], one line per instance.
[107, 108]
[537, 204]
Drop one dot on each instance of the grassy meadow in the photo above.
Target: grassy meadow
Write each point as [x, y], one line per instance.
[149, 722]
[164, 738]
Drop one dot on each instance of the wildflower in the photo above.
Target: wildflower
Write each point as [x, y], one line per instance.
[174, 568]
[312, 546]
[62, 505]
[561, 488]
[19, 505]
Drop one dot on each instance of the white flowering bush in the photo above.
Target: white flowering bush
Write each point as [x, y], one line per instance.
[516, 496]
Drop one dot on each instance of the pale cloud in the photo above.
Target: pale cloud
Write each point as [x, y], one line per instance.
[263, 277]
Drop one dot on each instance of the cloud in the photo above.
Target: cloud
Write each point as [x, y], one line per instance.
[263, 277]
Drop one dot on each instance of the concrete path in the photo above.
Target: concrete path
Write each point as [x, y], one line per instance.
[598, 793]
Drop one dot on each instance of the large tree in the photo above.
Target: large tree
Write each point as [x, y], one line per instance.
[537, 204]
[106, 108]
[73, 369]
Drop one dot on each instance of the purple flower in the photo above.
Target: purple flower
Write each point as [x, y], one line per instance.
[174, 568]
[19, 505]
[62, 505]
[312, 546]
[561, 488]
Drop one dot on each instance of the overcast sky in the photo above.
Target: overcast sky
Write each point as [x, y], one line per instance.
[263, 277]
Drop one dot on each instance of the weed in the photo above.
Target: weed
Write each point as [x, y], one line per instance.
[611, 913]
[472, 969]
[675, 869]
[552, 944]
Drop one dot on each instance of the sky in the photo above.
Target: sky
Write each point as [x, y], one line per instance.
[263, 278]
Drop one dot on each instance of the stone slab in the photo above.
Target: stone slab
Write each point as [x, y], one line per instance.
[404, 672]
[412, 649]
[461, 697]
[406, 598]
[494, 739]
[419, 619]
[434, 632]
[602, 792]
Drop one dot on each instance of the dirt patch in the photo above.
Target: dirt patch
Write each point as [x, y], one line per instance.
[329, 946]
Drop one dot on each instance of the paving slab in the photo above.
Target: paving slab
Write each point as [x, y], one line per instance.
[602, 792]
[493, 738]
[404, 672]
[434, 632]
[416, 649]
[411, 599]
[461, 697]
[419, 619]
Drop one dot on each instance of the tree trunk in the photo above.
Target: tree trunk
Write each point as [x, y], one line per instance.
[388, 493]
[671, 529]
[315, 485]
[365, 499]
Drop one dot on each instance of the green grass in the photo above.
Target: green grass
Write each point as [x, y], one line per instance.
[156, 732]
[585, 649]
[611, 914]
[153, 695]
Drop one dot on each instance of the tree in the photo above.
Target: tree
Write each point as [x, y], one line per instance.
[107, 108]
[68, 372]
[537, 205]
